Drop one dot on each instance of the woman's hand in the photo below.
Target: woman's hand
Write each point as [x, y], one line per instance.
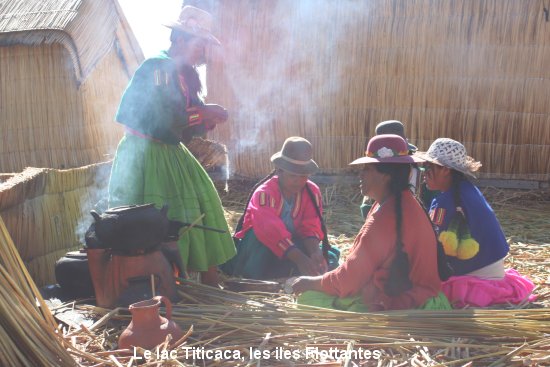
[302, 284]
[319, 259]
[213, 114]
[305, 264]
[313, 249]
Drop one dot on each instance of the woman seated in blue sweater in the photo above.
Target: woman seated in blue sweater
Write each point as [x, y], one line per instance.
[469, 231]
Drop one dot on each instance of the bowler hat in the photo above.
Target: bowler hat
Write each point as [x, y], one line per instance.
[296, 157]
[387, 148]
[393, 127]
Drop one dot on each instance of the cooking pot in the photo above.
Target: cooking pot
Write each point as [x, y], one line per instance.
[129, 227]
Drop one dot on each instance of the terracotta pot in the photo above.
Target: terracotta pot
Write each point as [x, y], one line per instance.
[111, 273]
[147, 328]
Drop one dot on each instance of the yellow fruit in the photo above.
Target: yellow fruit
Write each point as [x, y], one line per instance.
[450, 242]
[467, 249]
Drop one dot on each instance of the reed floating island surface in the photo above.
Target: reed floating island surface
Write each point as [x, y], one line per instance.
[260, 327]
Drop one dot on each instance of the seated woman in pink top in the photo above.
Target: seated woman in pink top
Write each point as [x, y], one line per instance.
[280, 233]
[393, 262]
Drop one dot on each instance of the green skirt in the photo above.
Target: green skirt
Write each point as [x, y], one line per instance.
[254, 260]
[356, 304]
[145, 171]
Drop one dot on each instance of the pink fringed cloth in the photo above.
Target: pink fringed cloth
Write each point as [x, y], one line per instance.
[477, 292]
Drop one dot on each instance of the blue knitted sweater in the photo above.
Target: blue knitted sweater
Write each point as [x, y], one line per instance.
[482, 222]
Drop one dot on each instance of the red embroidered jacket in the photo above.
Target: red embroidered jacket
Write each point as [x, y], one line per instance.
[263, 215]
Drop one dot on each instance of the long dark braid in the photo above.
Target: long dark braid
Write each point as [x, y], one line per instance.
[457, 178]
[193, 88]
[444, 269]
[398, 277]
[189, 72]
[263, 180]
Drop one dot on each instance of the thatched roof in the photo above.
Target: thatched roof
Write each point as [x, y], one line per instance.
[86, 29]
[33, 15]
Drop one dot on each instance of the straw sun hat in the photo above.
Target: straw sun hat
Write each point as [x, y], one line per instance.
[387, 148]
[295, 157]
[452, 154]
[194, 21]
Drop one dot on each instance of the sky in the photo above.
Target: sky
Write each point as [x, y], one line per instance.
[146, 18]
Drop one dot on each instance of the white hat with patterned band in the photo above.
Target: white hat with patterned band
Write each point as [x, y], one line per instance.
[452, 154]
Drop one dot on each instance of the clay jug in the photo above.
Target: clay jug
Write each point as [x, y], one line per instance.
[147, 328]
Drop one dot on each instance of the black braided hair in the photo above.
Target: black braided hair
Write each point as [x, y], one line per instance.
[189, 72]
[457, 177]
[398, 277]
[263, 180]
[444, 269]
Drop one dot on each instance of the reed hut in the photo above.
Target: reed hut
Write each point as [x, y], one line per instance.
[63, 67]
[472, 70]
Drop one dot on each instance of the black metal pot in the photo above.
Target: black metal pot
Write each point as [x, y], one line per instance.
[130, 227]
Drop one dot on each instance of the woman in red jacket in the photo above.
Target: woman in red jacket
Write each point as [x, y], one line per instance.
[280, 232]
[393, 262]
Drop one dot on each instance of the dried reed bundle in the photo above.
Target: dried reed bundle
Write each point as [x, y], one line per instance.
[223, 320]
[26, 337]
[28, 328]
[28, 332]
[209, 153]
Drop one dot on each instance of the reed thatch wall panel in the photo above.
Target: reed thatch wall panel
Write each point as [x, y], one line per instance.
[126, 44]
[472, 70]
[46, 212]
[100, 94]
[85, 28]
[93, 32]
[48, 119]
[42, 114]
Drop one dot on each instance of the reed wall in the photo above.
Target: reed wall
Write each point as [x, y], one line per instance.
[63, 68]
[47, 120]
[46, 212]
[472, 70]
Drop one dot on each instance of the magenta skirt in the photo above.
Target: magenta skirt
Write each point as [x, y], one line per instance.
[476, 292]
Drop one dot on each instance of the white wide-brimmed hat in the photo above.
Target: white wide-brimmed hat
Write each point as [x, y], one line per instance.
[452, 154]
[194, 21]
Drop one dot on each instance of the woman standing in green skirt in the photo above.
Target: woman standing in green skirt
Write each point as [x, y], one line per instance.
[161, 108]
